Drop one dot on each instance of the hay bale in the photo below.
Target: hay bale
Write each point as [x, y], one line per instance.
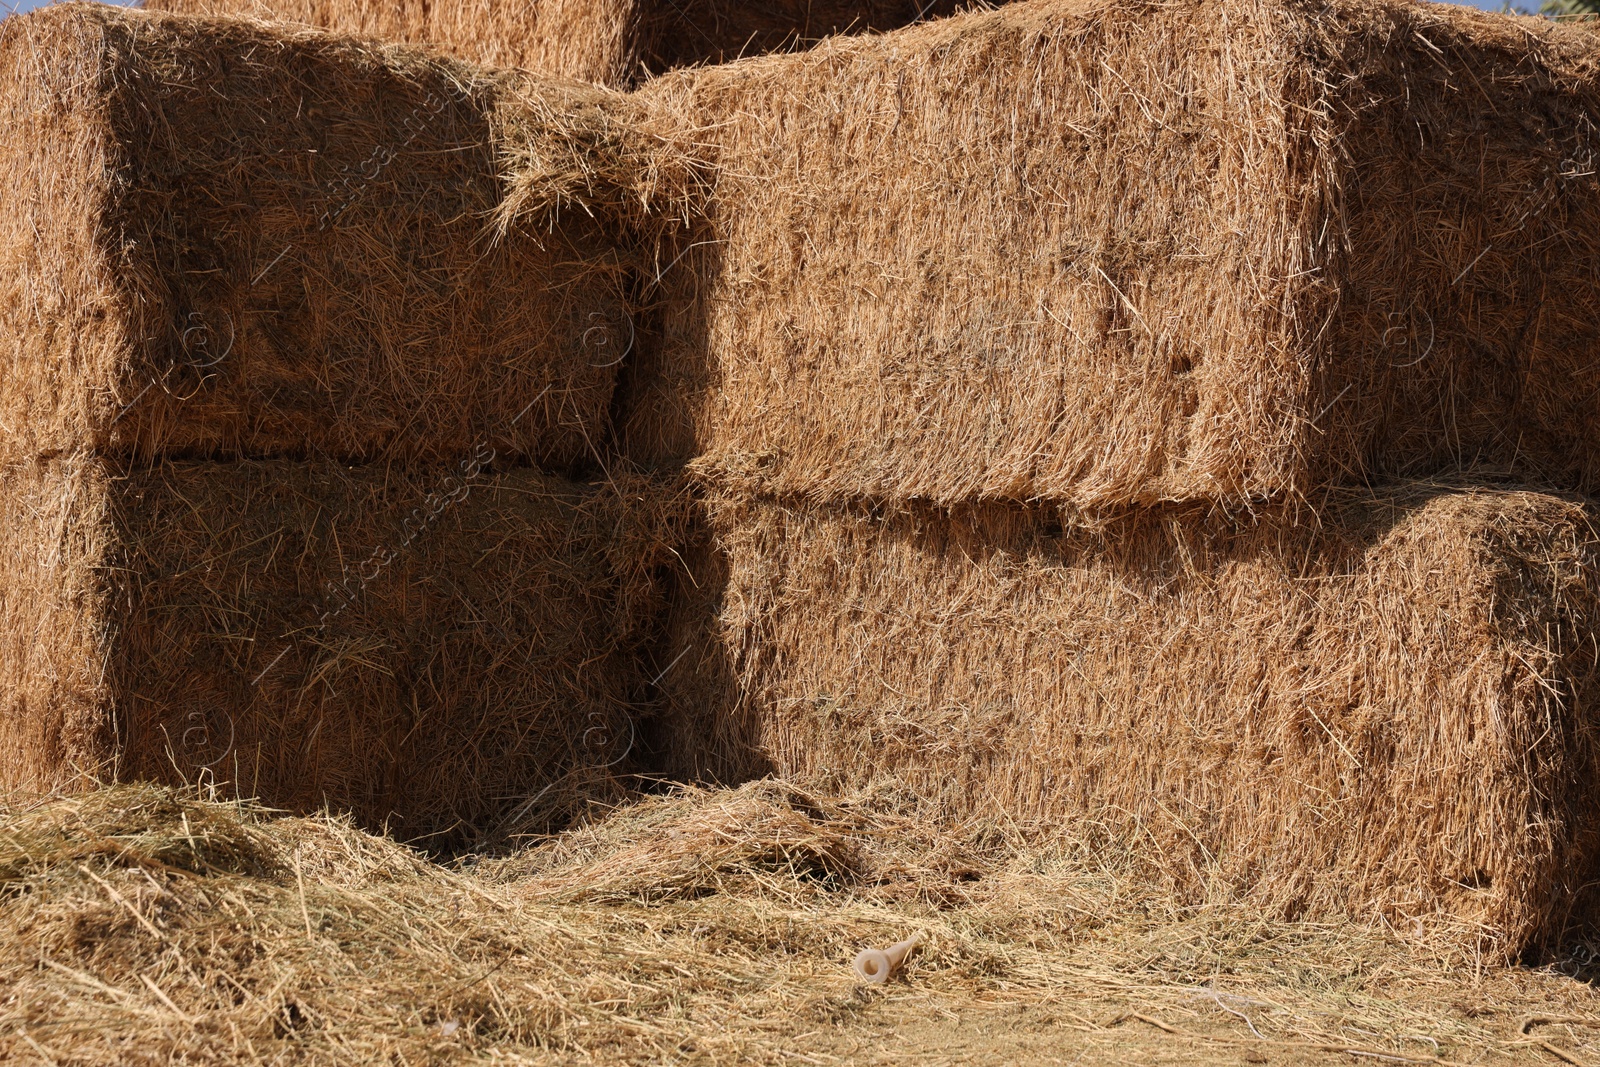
[1390, 717]
[229, 239]
[609, 42]
[1105, 254]
[426, 648]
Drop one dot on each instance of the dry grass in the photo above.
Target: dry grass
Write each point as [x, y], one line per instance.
[607, 42]
[145, 926]
[1389, 716]
[1109, 254]
[227, 238]
[432, 653]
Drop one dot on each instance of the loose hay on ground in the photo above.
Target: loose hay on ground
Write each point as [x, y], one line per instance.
[430, 651]
[228, 238]
[1107, 254]
[1390, 716]
[141, 926]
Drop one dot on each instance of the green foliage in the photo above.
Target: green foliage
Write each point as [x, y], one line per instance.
[1564, 10]
[1569, 9]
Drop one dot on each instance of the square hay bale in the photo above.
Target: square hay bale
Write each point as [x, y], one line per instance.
[1391, 717]
[1105, 254]
[227, 239]
[609, 42]
[425, 648]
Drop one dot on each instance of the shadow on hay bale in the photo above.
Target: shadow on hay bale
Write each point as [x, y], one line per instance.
[225, 238]
[233, 623]
[609, 42]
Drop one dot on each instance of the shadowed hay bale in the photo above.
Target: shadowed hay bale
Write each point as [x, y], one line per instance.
[423, 648]
[1104, 254]
[1390, 717]
[610, 42]
[226, 238]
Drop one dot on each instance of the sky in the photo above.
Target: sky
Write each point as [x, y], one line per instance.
[29, 5]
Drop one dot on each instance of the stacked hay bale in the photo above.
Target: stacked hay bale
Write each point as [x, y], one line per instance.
[1241, 254]
[1390, 715]
[609, 42]
[294, 456]
[1018, 358]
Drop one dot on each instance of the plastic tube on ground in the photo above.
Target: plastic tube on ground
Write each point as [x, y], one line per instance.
[878, 965]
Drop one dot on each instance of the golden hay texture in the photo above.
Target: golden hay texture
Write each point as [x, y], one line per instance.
[1390, 717]
[609, 42]
[1106, 254]
[224, 238]
[423, 649]
[565, 147]
[141, 926]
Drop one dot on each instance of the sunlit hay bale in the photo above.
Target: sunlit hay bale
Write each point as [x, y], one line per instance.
[610, 42]
[430, 648]
[1105, 254]
[224, 238]
[1390, 718]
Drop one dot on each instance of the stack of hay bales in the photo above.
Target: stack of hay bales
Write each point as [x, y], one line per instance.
[293, 456]
[609, 42]
[1170, 414]
[1120, 412]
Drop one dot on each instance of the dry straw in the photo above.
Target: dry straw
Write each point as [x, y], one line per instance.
[1107, 254]
[146, 927]
[232, 623]
[1389, 717]
[226, 238]
[608, 42]
[567, 147]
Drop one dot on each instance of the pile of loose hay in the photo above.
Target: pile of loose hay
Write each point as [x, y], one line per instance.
[608, 42]
[1108, 254]
[226, 238]
[145, 926]
[428, 651]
